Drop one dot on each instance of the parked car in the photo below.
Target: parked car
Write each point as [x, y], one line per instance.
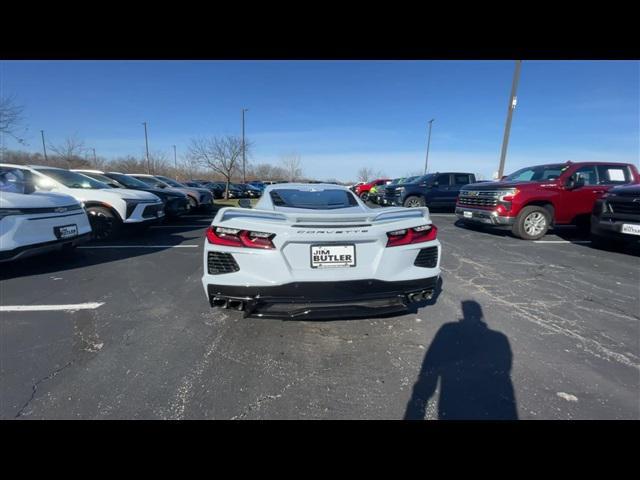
[109, 209]
[533, 199]
[380, 193]
[249, 190]
[615, 217]
[175, 203]
[319, 251]
[376, 192]
[363, 190]
[355, 185]
[35, 222]
[216, 188]
[198, 197]
[432, 190]
[257, 184]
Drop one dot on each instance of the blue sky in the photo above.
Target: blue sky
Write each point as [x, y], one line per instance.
[339, 115]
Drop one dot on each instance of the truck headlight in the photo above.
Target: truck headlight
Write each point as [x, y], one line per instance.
[508, 195]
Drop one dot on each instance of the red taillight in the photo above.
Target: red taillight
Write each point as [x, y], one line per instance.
[233, 237]
[423, 233]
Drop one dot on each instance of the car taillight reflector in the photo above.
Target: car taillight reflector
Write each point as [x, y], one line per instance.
[423, 233]
[233, 237]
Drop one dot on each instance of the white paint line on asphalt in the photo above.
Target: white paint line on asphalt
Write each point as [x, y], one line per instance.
[561, 241]
[42, 308]
[140, 246]
[180, 226]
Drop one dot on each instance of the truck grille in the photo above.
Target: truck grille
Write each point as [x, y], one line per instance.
[625, 208]
[218, 263]
[427, 258]
[479, 198]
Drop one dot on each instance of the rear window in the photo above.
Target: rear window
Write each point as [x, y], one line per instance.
[613, 175]
[313, 199]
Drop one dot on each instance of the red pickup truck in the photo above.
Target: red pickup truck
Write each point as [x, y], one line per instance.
[533, 199]
[363, 190]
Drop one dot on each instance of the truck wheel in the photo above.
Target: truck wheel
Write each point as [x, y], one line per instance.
[105, 225]
[192, 202]
[532, 223]
[364, 196]
[412, 202]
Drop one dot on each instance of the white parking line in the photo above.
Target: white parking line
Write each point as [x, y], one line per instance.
[180, 226]
[140, 246]
[41, 308]
[561, 241]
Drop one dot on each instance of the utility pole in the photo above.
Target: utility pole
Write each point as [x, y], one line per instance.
[175, 160]
[244, 171]
[95, 160]
[44, 148]
[510, 108]
[146, 142]
[426, 161]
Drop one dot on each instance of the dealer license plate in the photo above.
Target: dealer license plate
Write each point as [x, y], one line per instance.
[331, 256]
[66, 231]
[631, 229]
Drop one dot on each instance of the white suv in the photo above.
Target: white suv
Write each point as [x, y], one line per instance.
[37, 222]
[108, 209]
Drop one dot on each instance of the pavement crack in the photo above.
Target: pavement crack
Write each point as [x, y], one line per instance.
[35, 387]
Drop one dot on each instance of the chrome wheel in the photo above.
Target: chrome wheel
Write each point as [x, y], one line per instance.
[534, 224]
[413, 203]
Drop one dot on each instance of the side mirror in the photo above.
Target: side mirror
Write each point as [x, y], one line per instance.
[575, 182]
[244, 203]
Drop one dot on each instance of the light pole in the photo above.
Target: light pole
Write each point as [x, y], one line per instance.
[175, 160]
[146, 142]
[507, 128]
[244, 171]
[44, 148]
[95, 160]
[426, 161]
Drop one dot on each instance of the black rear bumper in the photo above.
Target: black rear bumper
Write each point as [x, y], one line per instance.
[353, 298]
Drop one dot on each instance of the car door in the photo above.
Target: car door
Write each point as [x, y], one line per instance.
[459, 181]
[580, 200]
[441, 193]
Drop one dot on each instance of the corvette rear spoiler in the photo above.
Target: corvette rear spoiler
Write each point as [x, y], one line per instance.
[384, 216]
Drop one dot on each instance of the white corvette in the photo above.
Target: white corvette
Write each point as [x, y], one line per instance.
[315, 250]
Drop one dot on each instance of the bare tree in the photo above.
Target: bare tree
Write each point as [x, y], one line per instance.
[70, 151]
[292, 166]
[365, 174]
[220, 154]
[11, 118]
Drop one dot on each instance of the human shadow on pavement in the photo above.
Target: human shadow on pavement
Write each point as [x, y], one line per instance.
[473, 365]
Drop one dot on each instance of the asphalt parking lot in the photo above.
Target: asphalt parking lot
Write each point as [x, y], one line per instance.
[546, 330]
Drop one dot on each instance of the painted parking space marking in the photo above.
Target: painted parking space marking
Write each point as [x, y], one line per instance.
[46, 308]
[562, 241]
[137, 246]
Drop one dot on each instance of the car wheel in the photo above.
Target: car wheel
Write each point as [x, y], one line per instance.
[105, 225]
[413, 202]
[192, 203]
[364, 196]
[532, 223]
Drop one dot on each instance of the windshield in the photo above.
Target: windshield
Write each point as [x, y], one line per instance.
[13, 180]
[315, 200]
[103, 178]
[127, 181]
[537, 174]
[173, 183]
[72, 179]
[152, 182]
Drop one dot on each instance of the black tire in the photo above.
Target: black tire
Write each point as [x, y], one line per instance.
[532, 223]
[105, 225]
[364, 196]
[193, 204]
[414, 201]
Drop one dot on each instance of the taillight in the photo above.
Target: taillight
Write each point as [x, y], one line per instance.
[233, 237]
[423, 233]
